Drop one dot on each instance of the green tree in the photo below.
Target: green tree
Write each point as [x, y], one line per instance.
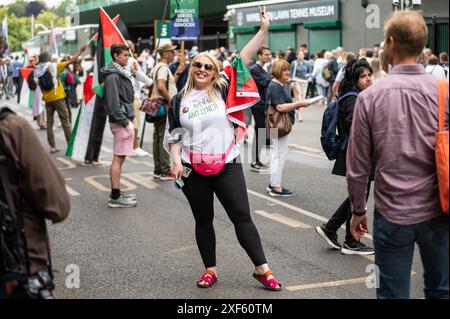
[18, 8]
[60, 10]
[35, 8]
[46, 18]
[18, 31]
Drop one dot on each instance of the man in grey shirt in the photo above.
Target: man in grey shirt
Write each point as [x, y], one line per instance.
[394, 124]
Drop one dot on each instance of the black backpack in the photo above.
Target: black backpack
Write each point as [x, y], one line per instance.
[32, 85]
[46, 81]
[331, 142]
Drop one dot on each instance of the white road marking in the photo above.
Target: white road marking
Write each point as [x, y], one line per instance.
[143, 179]
[295, 209]
[69, 164]
[336, 283]
[328, 284]
[283, 219]
[92, 180]
[70, 190]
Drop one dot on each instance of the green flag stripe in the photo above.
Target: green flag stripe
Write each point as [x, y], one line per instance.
[107, 53]
[30, 99]
[242, 73]
[74, 133]
[98, 90]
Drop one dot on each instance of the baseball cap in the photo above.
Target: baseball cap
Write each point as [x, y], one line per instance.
[192, 54]
[166, 47]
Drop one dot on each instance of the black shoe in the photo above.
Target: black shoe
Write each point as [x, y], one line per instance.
[259, 168]
[330, 237]
[284, 193]
[357, 248]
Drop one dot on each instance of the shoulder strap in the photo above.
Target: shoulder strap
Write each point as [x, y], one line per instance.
[442, 92]
[347, 95]
[176, 107]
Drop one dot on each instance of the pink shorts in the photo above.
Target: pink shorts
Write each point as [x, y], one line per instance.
[123, 139]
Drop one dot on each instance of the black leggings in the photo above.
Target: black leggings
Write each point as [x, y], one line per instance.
[231, 190]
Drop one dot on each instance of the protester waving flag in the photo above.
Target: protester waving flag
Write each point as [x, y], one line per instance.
[108, 34]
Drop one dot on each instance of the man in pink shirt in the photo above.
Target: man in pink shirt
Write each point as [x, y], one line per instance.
[394, 124]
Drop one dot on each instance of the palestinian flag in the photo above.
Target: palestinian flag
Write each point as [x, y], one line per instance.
[108, 34]
[79, 138]
[95, 37]
[26, 95]
[242, 94]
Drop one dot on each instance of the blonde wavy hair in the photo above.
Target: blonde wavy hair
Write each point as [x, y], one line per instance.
[218, 82]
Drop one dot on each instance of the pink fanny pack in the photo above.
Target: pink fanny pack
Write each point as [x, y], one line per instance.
[209, 164]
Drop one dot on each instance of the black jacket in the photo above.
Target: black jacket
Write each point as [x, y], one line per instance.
[344, 124]
[262, 80]
[118, 95]
[346, 108]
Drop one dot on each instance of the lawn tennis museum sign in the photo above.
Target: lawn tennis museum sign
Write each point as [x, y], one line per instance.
[290, 13]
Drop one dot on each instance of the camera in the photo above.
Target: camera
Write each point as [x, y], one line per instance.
[396, 3]
[40, 285]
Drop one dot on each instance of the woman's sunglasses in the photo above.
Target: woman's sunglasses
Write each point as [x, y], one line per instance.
[199, 65]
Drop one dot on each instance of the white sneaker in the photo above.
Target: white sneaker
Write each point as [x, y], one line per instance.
[139, 152]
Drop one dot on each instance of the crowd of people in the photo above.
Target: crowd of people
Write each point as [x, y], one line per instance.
[198, 131]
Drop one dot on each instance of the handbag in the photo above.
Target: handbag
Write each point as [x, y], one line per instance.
[441, 149]
[279, 121]
[154, 109]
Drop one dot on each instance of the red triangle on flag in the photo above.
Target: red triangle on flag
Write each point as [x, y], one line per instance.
[111, 33]
[25, 72]
[115, 19]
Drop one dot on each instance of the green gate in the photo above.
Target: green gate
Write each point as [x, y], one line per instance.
[438, 34]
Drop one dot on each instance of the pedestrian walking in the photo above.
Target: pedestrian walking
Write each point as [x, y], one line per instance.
[357, 78]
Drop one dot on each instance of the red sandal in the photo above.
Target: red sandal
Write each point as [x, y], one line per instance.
[208, 276]
[270, 284]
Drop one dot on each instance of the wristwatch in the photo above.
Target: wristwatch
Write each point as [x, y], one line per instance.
[361, 213]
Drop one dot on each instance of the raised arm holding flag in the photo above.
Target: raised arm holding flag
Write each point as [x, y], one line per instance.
[202, 120]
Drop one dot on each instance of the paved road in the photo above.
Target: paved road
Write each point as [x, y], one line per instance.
[150, 251]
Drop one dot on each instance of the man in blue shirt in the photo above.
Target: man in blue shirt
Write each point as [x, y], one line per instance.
[17, 65]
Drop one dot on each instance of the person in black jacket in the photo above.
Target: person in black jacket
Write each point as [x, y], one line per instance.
[118, 97]
[262, 80]
[357, 78]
